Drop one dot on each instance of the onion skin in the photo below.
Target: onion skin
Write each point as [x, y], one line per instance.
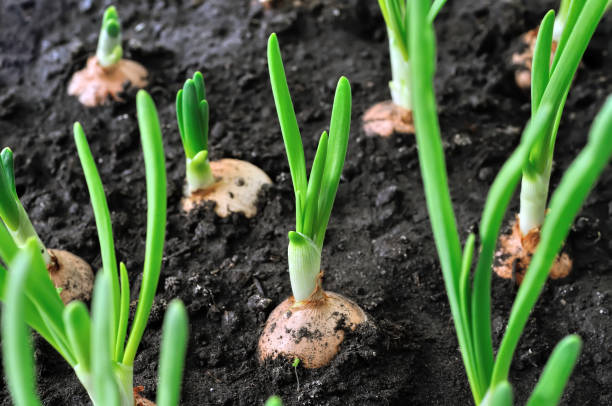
[311, 330]
[235, 191]
[94, 84]
[515, 251]
[72, 274]
[387, 118]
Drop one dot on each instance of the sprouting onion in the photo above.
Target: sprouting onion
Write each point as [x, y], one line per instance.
[310, 308]
[97, 349]
[69, 273]
[395, 13]
[91, 339]
[395, 116]
[107, 72]
[314, 197]
[550, 86]
[231, 183]
[109, 50]
[471, 302]
[192, 116]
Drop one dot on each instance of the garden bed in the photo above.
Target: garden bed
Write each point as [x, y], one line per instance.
[379, 249]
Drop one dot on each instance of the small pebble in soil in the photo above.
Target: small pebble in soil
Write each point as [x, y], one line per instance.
[486, 174]
[256, 302]
[386, 195]
[462, 140]
[229, 321]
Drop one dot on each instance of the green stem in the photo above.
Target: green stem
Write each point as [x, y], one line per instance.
[25, 231]
[124, 377]
[304, 265]
[400, 74]
[534, 196]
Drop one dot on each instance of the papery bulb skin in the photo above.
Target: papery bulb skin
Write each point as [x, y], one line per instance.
[311, 330]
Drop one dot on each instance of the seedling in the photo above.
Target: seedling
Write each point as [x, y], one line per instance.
[231, 183]
[274, 400]
[294, 364]
[69, 273]
[471, 303]
[97, 349]
[310, 309]
[395, 116]
[17, 351]
[523, 60]
[107, 73]
[551, 84]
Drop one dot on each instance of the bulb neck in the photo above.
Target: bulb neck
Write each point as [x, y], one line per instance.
[400, 85]
[199, 176]
[534, 197]
[304, 265]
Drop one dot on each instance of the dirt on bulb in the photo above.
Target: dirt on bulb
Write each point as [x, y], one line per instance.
[235, 190]
[311, 330]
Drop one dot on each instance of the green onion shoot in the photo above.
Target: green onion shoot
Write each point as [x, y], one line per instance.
[550, 86]
[395, 116]
[86, 335]
[69, 273]
[310, 307]
[274, 400]
[523, 60]
[107, 72]
[469, 293]
[231, 183]
[98, 347]
[109, 51]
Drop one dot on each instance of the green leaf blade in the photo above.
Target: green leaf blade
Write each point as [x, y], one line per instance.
[339, 130]
[540, 71]
[557, 371]
[78, 329]
[105, 389]
[193, 126]
[102, 217]
[155, 170]
[172, 357]
[124, 314]
[314, 186]
[288, 121]
[9, 211]
[16, 344]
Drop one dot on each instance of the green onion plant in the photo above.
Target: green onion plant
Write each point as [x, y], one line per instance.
[314, 197]
[395, 13]
[92, 339]
[469, 293]
[109, 50]
[96, 347]
[192, 114]
[12, 213]
[550, 87]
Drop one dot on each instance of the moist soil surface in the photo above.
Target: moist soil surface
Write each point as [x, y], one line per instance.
[379, 249]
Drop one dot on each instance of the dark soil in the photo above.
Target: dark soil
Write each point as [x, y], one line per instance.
[379, 249]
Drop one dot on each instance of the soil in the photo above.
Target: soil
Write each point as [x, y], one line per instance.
[379, 250]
